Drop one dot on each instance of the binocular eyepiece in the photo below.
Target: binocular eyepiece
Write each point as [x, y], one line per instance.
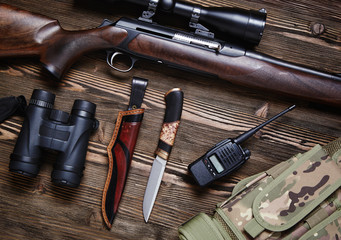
[227, 23]
[48, 128]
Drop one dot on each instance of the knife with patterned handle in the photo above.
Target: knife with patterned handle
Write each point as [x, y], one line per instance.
[174, 102]
[121, 149]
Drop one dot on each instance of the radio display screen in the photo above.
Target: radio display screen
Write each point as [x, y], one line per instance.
[216, 163]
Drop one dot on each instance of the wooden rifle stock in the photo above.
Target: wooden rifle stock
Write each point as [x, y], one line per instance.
[245, 71]
[27, 34]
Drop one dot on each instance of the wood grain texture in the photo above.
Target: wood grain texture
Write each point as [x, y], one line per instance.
[245, 71]
[213, 110]
[35, 35]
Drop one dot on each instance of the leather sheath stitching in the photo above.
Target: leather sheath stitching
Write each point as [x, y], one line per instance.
[111, 162]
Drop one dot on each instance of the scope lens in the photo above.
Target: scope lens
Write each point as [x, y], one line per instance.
[246, 25]
[255, 28]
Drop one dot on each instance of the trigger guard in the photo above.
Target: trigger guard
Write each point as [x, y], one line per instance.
[110, 61]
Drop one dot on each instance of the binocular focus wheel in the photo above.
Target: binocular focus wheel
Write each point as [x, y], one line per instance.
[42, 98]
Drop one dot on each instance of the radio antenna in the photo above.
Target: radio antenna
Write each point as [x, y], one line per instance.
[244, 136]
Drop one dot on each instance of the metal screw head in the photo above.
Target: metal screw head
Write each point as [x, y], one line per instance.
[317, 29]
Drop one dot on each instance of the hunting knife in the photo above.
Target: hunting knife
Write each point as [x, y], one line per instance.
[174, 102]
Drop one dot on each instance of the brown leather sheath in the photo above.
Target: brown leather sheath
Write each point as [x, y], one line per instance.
[120, 151]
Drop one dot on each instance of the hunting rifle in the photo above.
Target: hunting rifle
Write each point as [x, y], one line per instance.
[27, 34]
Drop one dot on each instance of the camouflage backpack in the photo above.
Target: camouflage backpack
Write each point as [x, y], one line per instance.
[296, 199]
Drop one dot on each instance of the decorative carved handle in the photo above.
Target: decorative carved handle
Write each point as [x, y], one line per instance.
[174, 102]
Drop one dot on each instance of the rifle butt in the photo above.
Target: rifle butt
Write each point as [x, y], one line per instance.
[28, 34]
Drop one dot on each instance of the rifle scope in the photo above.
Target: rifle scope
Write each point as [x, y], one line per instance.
[227, 23]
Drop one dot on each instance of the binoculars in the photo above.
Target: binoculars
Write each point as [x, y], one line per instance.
[48, 128]
[227, 23]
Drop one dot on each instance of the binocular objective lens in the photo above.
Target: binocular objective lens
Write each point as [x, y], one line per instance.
[66, 178]
[24, 165]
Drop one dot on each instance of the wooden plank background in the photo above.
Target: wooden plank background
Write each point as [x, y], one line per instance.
[213, 110]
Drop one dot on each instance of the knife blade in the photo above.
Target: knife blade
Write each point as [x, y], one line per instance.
[174, 103]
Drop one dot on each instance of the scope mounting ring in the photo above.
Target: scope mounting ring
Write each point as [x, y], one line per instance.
[199, 28]
[147, 15]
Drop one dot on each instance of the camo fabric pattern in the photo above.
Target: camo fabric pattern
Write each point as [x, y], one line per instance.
[293, 193]
[299, 189]
[330, 206]
[239, 208]
[330, 231]
[296, 200]
[338, 160]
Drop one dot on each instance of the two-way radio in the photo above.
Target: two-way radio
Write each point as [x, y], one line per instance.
[226, 156]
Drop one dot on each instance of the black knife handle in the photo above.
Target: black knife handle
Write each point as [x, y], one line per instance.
[171, 122]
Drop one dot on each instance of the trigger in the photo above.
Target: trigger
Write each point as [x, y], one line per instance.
[130, 61]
